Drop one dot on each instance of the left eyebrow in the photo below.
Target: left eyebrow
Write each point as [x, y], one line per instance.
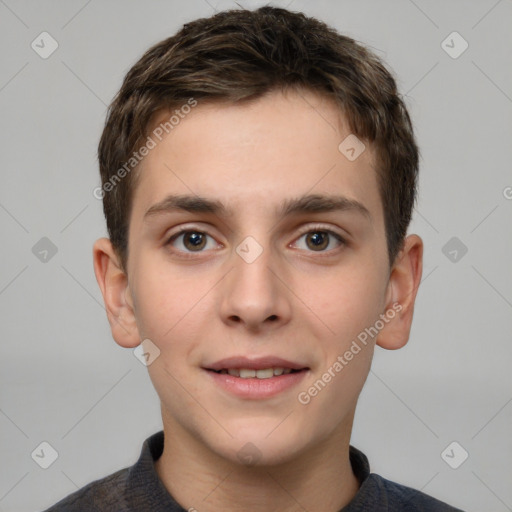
[312, 203]
[315, 203]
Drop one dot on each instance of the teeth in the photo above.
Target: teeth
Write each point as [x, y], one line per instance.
[246, 373]
[265, 374]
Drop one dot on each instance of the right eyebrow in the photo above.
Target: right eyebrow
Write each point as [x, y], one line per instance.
[188, 203]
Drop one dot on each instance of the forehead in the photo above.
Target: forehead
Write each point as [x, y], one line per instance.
[256, 155]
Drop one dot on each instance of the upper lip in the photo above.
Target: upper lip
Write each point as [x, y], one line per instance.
[257, 363]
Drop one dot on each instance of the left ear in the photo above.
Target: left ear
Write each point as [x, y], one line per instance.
[404, 281]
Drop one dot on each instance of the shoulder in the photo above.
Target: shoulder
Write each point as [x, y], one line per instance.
[100, 495]
[401, 497]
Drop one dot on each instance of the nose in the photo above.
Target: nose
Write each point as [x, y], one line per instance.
[254, 294]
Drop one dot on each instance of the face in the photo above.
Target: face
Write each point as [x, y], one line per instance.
[256, 244]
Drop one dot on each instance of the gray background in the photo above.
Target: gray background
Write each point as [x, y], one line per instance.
[63, 379]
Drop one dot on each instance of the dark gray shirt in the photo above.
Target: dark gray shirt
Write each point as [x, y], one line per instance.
[139, 489]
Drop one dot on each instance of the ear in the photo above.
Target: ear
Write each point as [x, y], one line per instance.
[113, 283]
[404, 280]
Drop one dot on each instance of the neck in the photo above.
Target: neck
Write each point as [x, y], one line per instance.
[318, 480]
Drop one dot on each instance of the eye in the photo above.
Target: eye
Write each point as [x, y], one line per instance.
[319, 240]
[191, 241]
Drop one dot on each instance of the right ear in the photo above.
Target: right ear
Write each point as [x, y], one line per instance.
[113, 283]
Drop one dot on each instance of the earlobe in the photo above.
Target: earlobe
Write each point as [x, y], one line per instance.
[403, 286]
[113, 283]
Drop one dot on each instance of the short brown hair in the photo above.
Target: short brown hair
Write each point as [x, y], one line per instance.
[240, 55]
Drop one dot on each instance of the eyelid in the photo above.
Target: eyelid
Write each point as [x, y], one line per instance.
[321, 227]
[188, 227]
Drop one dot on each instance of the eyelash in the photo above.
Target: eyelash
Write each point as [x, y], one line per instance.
[314, 229]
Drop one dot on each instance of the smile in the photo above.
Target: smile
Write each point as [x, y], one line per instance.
[248, 373]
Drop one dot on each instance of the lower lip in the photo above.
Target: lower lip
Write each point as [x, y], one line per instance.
[254, 388]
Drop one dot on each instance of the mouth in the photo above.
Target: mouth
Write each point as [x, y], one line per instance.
[254, 379]
[259, 368]
[249, 373]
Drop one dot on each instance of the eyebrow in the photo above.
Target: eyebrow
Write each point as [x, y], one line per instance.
[312, 203]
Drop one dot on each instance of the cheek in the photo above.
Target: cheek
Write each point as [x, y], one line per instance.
[166, 299]
[348, 303]
[329, 399]
[345, 302]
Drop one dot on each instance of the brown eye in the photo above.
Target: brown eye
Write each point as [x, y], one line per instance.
[194, 241]
[191, 241]
[317, 240]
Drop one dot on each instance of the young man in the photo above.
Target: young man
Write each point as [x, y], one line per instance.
[258, 177]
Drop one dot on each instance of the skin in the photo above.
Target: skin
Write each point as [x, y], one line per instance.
[294, 301]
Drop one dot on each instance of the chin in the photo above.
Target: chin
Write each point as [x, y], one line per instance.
[263, 446]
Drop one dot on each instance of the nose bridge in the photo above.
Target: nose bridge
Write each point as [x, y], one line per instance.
[253, 293]
[252, 266]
